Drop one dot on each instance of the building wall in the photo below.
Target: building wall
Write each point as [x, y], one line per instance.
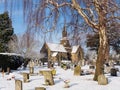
[77, 57]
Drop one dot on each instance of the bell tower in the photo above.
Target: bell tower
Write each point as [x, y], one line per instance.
[65, 41]
[64, 32]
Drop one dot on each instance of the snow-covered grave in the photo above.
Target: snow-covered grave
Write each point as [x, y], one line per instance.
[84, 82]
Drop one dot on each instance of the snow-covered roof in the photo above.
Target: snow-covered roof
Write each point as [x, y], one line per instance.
[74, 49]
[11, 54]
[56, 47]
[54, 54]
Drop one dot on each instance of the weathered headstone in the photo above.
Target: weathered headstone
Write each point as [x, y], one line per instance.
[25, 77]
[31, 67]
[92, 67]
[18, 85]
[41, 72]
[113, 72]
[31, 64]
[49, 64]
[3, 73]
[40, 88]
[31, 70]
[48, 77]
[77, 70]
[107, 69]
[8, 70]
[53, 72]
[102, 80]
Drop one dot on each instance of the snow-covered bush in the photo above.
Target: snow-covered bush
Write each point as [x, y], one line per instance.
[11, 60]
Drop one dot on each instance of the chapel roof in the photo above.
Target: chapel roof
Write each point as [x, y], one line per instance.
[74, 49]
[56, 47]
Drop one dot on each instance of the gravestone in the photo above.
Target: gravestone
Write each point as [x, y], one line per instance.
[50, 64]
[25, 77]
[48, 77]
[113, 72]
[31, 67]
[102, 80]
[40, 88]
[8, 70]
[18, 85]
[3, 73]
[77, 70]
[53, 72]
[31, 70]
[107, 69]
[41, 72]
[92, 67]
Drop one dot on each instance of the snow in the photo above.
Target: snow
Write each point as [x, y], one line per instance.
[54, 54]
[74, 49]
[56, 47]
[10, 54]
[84, 82]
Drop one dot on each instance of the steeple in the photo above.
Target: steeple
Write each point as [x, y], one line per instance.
[64, 41]
[64, 32]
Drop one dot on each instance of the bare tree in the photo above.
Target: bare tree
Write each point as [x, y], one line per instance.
[95, 13]
[25, 44]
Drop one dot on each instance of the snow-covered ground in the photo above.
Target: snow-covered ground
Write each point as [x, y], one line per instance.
[84, 82]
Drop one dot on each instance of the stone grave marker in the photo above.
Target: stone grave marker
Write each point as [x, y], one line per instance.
[8, 70]
[77, 70]
[102, 80]
[18, 85]
[113, 72]
[3, 73]
[92, 67]
[31, 70]
[48, 77]
[50, 64]
[25, 77]
[40, 88]
[41, 72]
[53, 72]
[107, 69]
[31, 67]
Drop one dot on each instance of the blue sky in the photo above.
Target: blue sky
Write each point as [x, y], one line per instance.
[17, 19]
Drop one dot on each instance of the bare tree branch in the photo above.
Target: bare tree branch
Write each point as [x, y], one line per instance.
[76, 6]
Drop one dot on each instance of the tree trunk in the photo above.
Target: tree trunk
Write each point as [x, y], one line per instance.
[102, 52]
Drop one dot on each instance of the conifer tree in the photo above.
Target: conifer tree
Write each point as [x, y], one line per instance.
[6, 31]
